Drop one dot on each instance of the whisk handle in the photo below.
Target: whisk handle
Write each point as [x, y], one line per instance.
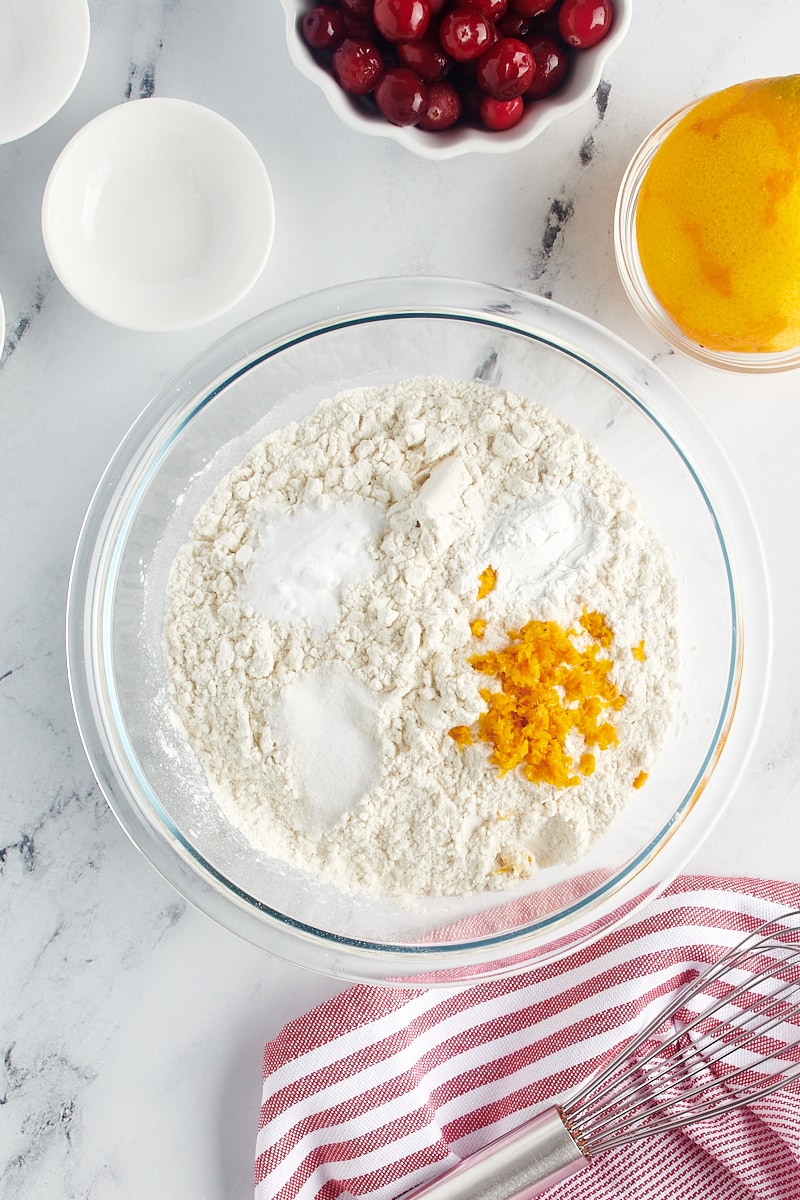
[518, 1166]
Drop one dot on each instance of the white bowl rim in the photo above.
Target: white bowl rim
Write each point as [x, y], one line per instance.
[50, 88]
[113, 123]
[453, 143]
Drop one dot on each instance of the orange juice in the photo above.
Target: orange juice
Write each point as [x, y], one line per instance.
[718, 219]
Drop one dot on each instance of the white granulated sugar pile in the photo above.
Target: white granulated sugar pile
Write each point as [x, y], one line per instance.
[320, 625]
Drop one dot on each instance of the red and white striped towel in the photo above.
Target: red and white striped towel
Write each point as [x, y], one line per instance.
[378, 1091]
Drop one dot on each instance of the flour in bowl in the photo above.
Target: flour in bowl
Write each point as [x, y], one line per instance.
[423, 641]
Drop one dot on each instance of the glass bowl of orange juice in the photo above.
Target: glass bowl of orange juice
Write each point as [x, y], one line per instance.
[707, 227]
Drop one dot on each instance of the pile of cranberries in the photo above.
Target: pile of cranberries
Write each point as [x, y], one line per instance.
[433, 63]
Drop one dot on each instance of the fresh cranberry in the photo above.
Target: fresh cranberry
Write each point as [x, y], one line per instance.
[584, 22]
[531, 8]
[501, 114]
[443, 109]
[505, 69]
[552, 65]
[359, 27]
[497, 55]
[362, 9]
[511, 24]
[323, 27]
[493, 9]
[546, 25]
[401, 96]
[357, 64]
[426, 57]
[465, 33]
[401, 20]
[463, 80]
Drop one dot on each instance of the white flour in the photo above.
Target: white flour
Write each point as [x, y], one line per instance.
[318, 634]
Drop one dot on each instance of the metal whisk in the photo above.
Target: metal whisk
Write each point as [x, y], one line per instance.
[694, 1064]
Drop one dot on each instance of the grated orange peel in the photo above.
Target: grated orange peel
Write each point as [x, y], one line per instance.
[552, 684]
[487, 582]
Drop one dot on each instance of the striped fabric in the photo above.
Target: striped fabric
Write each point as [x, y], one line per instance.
[378, 1091]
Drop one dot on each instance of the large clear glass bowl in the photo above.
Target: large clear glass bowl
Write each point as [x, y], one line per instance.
[276, 368]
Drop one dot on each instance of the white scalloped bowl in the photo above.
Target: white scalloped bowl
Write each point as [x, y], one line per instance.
[359, 114]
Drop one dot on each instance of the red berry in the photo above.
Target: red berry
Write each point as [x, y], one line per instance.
[498, 55]
[531, 8]
[546, 25]
[401, 20]
[357, 64]
[511, 24]
[465, 33]
[505, 69]
[362, 9]
[463, 80]
[359, 27]
[401, 96]
[323, 27]
[443, 109]
[501, 114]
[583, 23]
[552, 65]
[493, 9]
[426, 57]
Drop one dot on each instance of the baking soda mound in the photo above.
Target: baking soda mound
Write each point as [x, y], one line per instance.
[718, 219]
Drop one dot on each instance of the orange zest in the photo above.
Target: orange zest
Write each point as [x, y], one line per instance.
[587, 764]
[487, 581]
[551, 687]
[597, 628]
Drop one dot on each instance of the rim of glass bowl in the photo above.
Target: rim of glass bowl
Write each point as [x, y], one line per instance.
[634, 281]
[101, 544]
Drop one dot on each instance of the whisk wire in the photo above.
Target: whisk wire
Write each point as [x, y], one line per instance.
[601, 1144]
[654, 1093]
[729, 1036]
[615, 1125]
[742, 951]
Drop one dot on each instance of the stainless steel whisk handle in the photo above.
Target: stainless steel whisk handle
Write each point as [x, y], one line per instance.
[518, 1166]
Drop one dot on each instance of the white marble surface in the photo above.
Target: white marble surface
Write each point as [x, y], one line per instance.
[130, 1026]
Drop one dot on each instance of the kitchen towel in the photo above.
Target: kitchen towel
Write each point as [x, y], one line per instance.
[380, 1090]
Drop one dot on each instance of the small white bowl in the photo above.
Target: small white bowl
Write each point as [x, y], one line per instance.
[43, 48]
[359, 114]
[158, 215]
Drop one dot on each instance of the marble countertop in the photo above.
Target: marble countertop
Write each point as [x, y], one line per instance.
[132, 1026]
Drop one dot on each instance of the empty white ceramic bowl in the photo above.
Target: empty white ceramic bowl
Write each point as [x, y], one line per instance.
[43, 48]
[360, 114]
[158, 215]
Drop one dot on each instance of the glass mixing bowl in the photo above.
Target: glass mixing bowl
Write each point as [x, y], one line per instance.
[278, 367]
